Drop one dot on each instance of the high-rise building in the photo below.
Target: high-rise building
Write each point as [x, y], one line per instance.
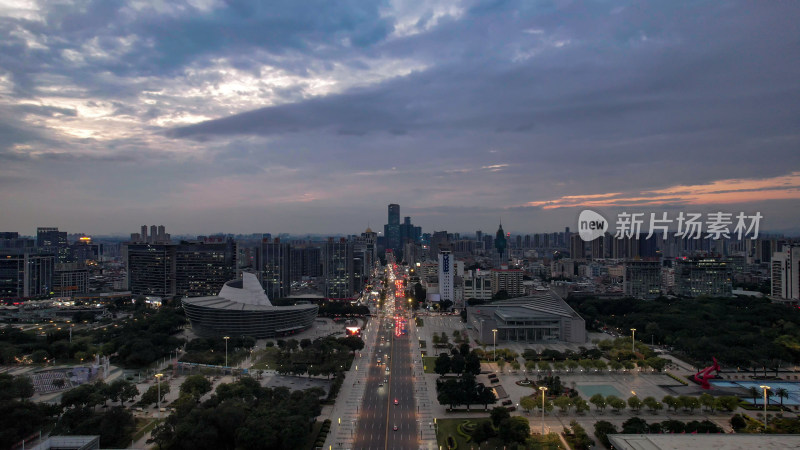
[478, 285]
[446, 276]
[51, 240]
[70, 279]
[509, 280]
[439, 241]
[25, 272]
[312, 262]
[151, 269]
[642, 279]
[338, 268]
[11, 239]
[391, 230]
[500, 244]
[158, 235]
[785, 267]
[203, 266]
[577, 247]
[275, 268]
[703, 276]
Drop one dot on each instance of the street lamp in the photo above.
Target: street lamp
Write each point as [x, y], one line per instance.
[226, 349]
[633, 340]
[158, 377]
[765, 389]
[543, 389]
[494, 332]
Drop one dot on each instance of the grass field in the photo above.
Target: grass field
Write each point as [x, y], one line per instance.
[429, 362]
[266, 359]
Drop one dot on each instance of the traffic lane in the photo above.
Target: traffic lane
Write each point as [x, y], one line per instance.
[371, 426]
[404, 413]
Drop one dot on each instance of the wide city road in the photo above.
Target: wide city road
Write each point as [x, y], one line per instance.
[387, 416]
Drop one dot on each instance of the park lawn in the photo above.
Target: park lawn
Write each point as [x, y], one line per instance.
[267, 357]
[144, 426]
[429, 362]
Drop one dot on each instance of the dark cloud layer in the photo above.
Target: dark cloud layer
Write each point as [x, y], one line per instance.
[466, 106]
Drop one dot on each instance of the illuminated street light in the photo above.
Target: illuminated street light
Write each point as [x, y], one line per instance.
[226, 349]
[494, 332]
[765, 389]
[158, 377]
[633, 340]
[543, 389]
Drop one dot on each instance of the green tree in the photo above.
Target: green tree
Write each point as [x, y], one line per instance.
[514, 429]
[457, 363]
[122, 391]
[615, 402]
[635, 425]
[652, 404]
[195, 386]
[442, 365]
[598, 401]
[581, 405]
[151, 395]
[602, 429]
[499, 414]
[738, 423]
[707, 401]
[483, 432]
[670, 401]
[582, 439]
[634, 403]
[563, 403]
[782, 393]
[527, 403]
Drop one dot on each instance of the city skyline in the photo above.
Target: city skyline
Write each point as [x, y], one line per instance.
[209, 116]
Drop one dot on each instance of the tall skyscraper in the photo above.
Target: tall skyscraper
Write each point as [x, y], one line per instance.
[785, 267]
[501, 244]
[25, 272]
[446, 276]
[391, 230]
[338, 268]
[51, 240]
[151, 269]
[275, 268]
[642, 279]
[202, 267]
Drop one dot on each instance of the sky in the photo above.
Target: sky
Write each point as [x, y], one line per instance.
[311, 117]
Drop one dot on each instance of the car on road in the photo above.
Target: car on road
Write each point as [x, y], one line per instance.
[396, 402]
[385, 380]
[394, 428]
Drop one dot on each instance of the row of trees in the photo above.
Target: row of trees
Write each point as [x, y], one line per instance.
[687, 403]
[463, 390]
[326, 356]
[212, 350]
[501, 425]
[637, 425]
[77, 413]
[748, 332]
[239, 415]
[457, 364]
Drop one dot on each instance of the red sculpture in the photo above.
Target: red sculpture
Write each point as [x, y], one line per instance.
[704, 375]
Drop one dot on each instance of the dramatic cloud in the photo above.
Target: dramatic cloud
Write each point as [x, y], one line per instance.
[237, 116]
